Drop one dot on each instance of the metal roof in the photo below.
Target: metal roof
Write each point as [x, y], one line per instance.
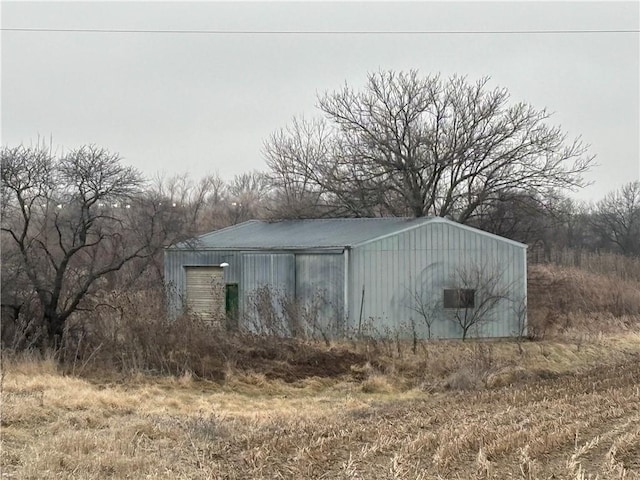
[296, 234]
[315, 234]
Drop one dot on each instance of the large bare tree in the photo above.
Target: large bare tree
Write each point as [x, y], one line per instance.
[616, 219]
[67, 224]
[409, 145]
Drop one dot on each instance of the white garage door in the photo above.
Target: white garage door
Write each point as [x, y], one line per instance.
[205, 292]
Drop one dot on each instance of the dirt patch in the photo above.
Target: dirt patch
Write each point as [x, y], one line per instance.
[292, 363]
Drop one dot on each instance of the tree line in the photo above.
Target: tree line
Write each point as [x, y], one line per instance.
[77, 224]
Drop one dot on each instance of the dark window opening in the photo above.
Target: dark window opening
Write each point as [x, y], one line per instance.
[459, 298]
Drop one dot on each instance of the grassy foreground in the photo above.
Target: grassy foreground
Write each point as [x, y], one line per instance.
[563, 410]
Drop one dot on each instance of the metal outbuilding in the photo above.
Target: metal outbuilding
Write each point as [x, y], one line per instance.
[373, 276]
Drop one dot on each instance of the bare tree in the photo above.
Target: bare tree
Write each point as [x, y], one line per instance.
[408, 145]
[17, 296]
[293, 155]
[479, 290]
[211, 203]
[66, 220]
[616, 219]
[248, 197]
[523, 216]
[423, 304]
[197, 205]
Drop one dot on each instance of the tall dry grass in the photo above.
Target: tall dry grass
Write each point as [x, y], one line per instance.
[130, 333]
[567, 298]
[580, 422]
[137, 396]
[604, 263]
[133, 334]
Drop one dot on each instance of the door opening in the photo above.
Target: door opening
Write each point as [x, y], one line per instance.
[231, 305]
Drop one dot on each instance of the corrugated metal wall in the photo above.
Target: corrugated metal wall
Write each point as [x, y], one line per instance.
[249, 270]
[314, 281]
[275, 271]
[320, 291]
[175, 262]
[414, 267]
[397, 272]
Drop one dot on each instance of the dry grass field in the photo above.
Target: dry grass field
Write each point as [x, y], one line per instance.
[555, 410]
[176, 403]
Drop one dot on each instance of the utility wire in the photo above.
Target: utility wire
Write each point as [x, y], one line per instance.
[324, 32]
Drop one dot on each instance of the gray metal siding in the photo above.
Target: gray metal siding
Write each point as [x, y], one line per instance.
[175, 262]
[249, 270]
[424, 258]
[320, 291]
[427, 260]
[275, 270]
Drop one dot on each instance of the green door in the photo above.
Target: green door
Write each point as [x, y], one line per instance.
[231, 305]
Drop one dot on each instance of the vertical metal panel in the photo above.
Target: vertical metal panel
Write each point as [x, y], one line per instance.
[277, 270]
[320, 291]
[346, 257]
[273, 270]
[176, 260]
[427, 260]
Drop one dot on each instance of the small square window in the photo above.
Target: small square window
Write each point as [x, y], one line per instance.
[459, 298]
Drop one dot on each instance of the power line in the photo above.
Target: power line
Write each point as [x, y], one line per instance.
[323, 32]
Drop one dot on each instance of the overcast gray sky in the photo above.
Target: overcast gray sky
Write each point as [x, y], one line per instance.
[202, 103]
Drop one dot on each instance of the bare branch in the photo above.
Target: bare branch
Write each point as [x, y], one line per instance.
[415, 146]
[64, 224]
